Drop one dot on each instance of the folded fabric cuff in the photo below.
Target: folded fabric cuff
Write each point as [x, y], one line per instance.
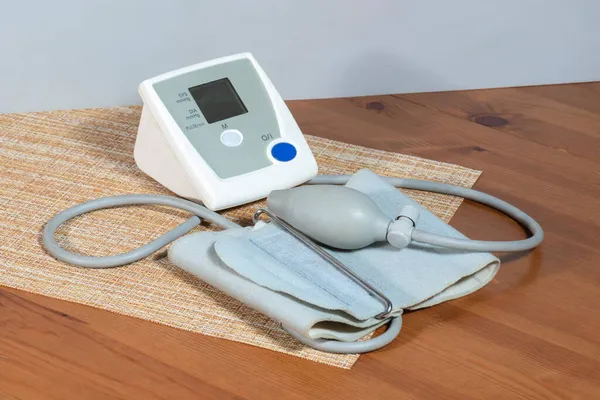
[274, 273]
[195, 254]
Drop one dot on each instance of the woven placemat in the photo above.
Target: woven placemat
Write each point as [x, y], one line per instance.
[53, 160]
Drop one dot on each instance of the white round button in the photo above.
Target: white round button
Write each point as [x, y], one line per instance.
[232, 137]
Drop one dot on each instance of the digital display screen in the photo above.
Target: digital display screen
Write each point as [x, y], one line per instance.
[218, 100]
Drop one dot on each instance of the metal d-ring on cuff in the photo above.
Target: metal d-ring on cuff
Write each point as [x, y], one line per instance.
[331, 260]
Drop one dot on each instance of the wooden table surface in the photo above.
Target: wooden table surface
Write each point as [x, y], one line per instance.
[532, 333]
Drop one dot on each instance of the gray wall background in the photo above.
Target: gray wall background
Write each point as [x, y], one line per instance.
[74, 53]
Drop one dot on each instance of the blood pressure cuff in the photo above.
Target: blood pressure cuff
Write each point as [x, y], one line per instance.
[273, 272]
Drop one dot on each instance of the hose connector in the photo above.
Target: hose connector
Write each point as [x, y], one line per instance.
[399, 232]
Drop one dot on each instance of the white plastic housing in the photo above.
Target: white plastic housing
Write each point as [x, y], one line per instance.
[164, 153]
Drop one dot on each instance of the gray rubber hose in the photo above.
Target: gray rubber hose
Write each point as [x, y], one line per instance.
[137, 254]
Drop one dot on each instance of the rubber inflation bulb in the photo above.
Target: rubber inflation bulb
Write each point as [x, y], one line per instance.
[336, 216]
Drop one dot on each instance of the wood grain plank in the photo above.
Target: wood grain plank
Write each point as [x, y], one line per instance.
[527, 113]
[121, 357]
[579, 95]
[529, 334]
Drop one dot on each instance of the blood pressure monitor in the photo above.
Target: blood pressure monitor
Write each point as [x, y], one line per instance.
[219, 133]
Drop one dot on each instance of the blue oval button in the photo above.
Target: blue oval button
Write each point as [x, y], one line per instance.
[283, 151]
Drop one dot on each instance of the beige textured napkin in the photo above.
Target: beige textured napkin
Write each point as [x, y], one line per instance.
[53, 160]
